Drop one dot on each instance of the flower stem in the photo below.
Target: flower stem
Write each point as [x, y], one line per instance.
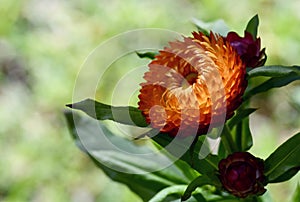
[228, 141]
[192, 149]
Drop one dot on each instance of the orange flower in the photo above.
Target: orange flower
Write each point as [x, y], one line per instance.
[193, 85]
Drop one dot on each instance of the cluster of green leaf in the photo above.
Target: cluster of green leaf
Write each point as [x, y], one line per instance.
[280, 166]
[164, 185]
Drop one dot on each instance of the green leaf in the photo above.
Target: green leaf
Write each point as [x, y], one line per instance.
[182, 165]
[202, 159]
[149, 55]
[246, 136]
[175, 192]
[280, 76]
[163, 194]
[199, 182]
[207, 165]
[284, 162]
[222, 153]
[218, 26]
[286, 176]
[186, 169]
[115, 156]
[181, 148]
[275, 82]
[240, 130]
[274, 71]
[239, 116]
[243, 136]
[199, 197]
[228, 141]
[227, 200]
[125, 115]
[252, 26]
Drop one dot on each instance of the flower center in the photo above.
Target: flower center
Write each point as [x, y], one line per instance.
[189, 80]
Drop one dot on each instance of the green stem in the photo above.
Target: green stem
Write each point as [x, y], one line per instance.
[239, 130]
[192, 149]
[229, 143]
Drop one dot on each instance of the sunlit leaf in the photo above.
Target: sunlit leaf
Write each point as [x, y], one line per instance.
[284, 162]
[125, 115]
[252, 26]
[199, 182]
[98, 142]
[186, 169]
[174, 192]
[162, 195]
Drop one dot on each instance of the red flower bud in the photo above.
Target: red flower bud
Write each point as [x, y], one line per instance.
[242, 175]
[248, 48]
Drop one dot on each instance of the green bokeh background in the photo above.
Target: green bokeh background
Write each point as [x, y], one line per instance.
[42, 47]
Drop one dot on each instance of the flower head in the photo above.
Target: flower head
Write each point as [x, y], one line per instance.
[242, 174]
[248, 48]
[193, 84]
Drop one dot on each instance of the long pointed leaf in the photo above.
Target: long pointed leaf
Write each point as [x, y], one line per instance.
[274, 71]
[275, 82]
[284, 162]
[252, 26]
[125, 115]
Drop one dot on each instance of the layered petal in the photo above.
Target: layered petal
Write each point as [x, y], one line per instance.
[193, 85]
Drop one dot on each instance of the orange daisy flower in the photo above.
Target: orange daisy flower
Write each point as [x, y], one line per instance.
[193, 85]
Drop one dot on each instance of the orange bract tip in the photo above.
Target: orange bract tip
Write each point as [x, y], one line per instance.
[193, 84]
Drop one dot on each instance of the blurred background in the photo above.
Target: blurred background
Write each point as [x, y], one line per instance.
[42, 47]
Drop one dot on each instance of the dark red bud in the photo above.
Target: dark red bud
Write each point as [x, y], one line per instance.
[241, 174]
